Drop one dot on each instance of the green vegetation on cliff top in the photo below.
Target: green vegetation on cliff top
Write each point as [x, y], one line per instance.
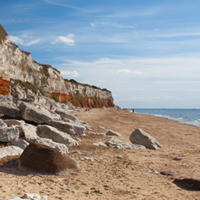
[93, 86]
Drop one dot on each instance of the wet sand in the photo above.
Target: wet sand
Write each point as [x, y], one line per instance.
[108, 177]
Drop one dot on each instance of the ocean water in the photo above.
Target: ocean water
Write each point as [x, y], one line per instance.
[186, 116]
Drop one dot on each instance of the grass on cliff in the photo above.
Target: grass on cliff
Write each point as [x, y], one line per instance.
[92, 86]
[29, 86]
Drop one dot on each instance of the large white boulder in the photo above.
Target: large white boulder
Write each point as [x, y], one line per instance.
[37, 114]
[113, 133]
[138, 136]
[123, 145]
[10, 151]
[30, 132]
[8, 134]
[70, 128]
[7, 107]
[50, 132]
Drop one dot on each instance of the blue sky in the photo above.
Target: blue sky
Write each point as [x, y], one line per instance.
[146, 52]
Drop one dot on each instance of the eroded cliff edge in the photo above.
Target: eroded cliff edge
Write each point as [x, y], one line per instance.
[18, 68]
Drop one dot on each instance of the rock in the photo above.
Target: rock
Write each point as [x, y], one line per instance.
[44, 159]
[30, 132]
[101, 127]
[89, 158]
[14, 122]
[3, 124]
[64, 115]
[138, 136]
[62, 148]
[8, 134]
[112, 133]
[87, 128]
[177, 158]
[119, 156]
[100, 144]
[69, 128]
[10, 151]
[103, 134]
[123, 145]
[167, 173]
[77, 139]
[20, 143]
[7, 107]
[188, 183]
[29, 196]
[36, 114]
[50, 132]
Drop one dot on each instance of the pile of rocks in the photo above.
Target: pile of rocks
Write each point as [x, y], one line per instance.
[27, 122]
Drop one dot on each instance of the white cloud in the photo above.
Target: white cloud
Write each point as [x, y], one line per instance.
[110, 24]
[70, 73]
[32, 42]
[126, 71]
[67, 40]
[16, 39]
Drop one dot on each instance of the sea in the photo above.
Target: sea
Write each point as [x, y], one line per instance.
[186, 116]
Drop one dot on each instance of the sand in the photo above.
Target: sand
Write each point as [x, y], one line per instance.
[109, 177]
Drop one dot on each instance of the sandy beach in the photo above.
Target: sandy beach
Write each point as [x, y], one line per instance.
[110, 177]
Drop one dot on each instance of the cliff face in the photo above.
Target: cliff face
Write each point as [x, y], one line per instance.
[18, 65]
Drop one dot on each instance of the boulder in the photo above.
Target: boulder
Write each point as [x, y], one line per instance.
[8, 134]
[50, 132]
[70, 128]
[64, 115]
[30, 196]
[3, 124]
[20, 143]
[44, 159]
[30, 132]
[138, 136]
[62, 148]
[113, 133]
[100, 144]
[36, 114]
[7, 107]
[10, 151]
[188, 183]
[14, 122]
[123, 145]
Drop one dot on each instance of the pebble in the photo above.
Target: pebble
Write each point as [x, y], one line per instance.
[89, 158]
[177, 158]
[119, 156]
[167, 173]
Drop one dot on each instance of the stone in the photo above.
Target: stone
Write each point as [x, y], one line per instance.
[36, 114]
[50, 132]
[62, 148]
[10, 151]
[14, 122]
[138, 136]
[44, 159]
[112, 133]
[20, 143]
[167, 173]
[119, 156]
[30, 196]
[3, 124]
[7, 107]
[100, 144]
[89, 158]
[188, 183]
[177, 158]
[70, 128]
[64, 115]
[123, 145]
[30, 132]
[8, 134]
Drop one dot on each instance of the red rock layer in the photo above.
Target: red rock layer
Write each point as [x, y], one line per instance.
[85, 102]
[4, 86]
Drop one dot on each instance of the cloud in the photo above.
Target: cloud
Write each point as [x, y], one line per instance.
[64, 5]
[32, 42]
[126, 71]
[67, 40]
[16, 39]
[70, 73]
[110, 24]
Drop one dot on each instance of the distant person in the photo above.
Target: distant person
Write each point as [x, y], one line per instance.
[133, 110]
[51, 107]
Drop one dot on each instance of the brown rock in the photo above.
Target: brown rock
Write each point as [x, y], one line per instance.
[188, 183]
[44, 159]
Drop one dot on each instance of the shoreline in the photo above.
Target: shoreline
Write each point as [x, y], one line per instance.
[131, 176]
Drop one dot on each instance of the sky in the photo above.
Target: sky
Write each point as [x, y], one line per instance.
[147, 52]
